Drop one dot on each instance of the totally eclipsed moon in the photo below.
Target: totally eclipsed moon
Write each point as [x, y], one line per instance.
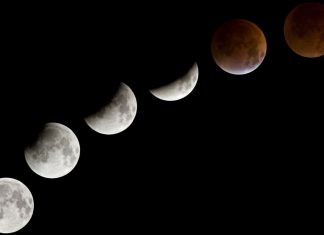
[304, 30]
[238, 46]
[55, 153]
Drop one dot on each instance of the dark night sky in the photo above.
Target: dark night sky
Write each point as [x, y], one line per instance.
[234, 151]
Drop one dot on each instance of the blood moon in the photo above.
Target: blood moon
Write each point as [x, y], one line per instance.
[238, 46]
[304, 30]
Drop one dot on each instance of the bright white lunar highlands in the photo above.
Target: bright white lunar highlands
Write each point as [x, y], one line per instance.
[117, 115]
[55, 153]
[16, 205]
[180, 88]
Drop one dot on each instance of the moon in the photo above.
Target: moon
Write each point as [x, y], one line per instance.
[304, 30]
[16, 205]
[180, 88]
[238, 46]
[55, 153]
[117, 115]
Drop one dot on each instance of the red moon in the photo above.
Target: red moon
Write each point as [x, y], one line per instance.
[238, 46]
[304, 30]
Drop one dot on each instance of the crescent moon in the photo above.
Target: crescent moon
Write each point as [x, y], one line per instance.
[180, 88]
[117, 115]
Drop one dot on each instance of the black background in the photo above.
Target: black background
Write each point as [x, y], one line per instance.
[240, 152]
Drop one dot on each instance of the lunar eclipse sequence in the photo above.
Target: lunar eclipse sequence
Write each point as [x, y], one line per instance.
[238, 47]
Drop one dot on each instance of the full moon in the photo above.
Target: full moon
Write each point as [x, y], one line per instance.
[55, 153]
[304, 30]
[117, 115]
[16, 205]
[238, 46]
[180, 88]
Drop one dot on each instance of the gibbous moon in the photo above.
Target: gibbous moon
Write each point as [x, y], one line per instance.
[180, 88]
[55, 153]
[238, 46]
[16, 205]
[117, 115]
[304, 30]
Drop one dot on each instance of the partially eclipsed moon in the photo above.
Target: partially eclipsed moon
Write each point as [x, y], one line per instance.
[238, 47]
[117, 115]
[55, 153]
[304, 30]
[180, 88]
[16, 205]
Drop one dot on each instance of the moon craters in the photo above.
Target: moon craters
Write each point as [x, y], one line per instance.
[125, 107]
[186, 84]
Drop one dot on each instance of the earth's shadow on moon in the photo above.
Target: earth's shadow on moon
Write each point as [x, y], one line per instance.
[65, 99]
[167, 50]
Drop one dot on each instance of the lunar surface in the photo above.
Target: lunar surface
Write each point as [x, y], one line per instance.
[304, 30]
[180, 88]
[55, 153]
[238, 46]
[16, 205]
[117, 115]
